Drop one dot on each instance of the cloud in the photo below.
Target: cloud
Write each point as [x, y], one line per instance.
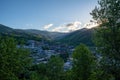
[68, 27]
[74, 26]
[58, 29]
[76, 23]
[48, 26]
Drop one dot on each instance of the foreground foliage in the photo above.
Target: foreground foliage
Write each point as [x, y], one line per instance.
[107, 36]
[83, 63]
[13, 61]
[15, 64]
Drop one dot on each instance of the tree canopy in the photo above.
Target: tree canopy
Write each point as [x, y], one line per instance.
[13, 61]
[83, 61]
[107, 36]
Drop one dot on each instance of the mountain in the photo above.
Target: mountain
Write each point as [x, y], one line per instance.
[73, 38]
[21, 34]
[46, 34]
[80, 36]
[5, 29]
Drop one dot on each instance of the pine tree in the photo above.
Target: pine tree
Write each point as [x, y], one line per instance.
[13, 61]
[107, 36]
[55, 68]
[83, 61]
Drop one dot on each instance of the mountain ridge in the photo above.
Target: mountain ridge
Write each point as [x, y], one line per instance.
[74, 38]
[77, 37]
[33, 33]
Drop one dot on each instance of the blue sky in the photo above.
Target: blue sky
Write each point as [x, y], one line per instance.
[38, 14]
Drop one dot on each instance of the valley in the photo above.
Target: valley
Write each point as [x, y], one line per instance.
[44, 44]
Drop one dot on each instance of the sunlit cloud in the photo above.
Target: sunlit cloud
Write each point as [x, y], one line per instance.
[59, 29]
[68, 27]
[74, 26]
[48, 26]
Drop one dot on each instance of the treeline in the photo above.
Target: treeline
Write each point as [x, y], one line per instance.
[15, 63]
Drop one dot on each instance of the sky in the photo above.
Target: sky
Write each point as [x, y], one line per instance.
[50, 15]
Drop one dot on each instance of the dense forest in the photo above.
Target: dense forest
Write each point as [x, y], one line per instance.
[16, 63]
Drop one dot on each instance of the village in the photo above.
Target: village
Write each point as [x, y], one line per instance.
[42, 51]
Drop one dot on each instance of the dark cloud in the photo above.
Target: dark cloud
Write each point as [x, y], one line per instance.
[70, 24]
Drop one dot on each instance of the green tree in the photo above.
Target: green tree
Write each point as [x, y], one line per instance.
[68, 75]
[83, 63]
[64, 56]
[55, 68]
[39, 71]
[13, 61]
[107, 36]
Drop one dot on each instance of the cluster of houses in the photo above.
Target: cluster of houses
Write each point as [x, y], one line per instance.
[42, 51]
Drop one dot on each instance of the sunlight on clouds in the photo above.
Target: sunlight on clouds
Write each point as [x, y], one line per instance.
[74, 26]
[68, 27]
[59, 29]
[48, 26]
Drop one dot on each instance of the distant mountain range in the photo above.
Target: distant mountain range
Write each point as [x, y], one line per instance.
[73, 38]
[46, 34]
[27, 34]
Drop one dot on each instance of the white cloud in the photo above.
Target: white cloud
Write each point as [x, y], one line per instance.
[48, 26]
[74, 26]
[60, 29]
[68, 27]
